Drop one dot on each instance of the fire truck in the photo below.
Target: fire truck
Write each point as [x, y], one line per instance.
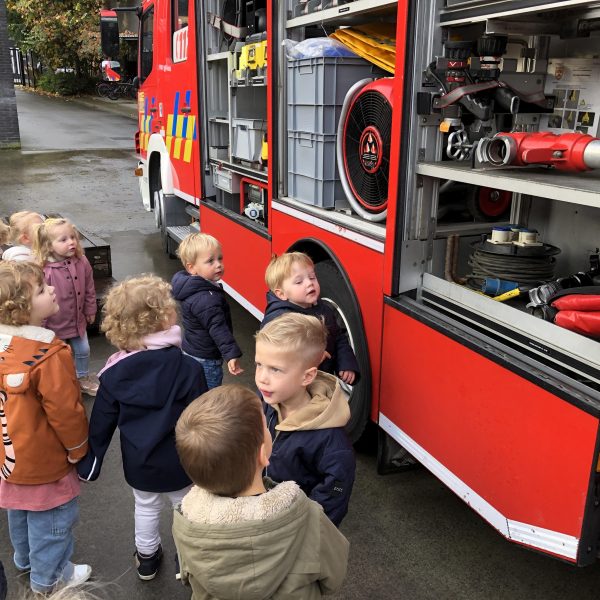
[451, 205]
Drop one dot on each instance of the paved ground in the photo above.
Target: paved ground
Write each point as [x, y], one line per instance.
[411, 538]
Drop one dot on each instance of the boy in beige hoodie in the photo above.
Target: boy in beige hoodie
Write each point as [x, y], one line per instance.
[239, 535]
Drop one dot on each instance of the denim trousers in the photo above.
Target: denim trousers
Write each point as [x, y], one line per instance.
[43, 542]
[148, 506]
[81, 354]
[213, 370]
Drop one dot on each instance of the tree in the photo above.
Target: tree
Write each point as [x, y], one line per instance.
[61, 33]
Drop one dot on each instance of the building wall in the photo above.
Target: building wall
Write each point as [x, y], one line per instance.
[9, 123]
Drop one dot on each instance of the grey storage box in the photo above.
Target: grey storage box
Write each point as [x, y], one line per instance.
[312, 169]
[247, 138]
[226, 180]
[316, 88]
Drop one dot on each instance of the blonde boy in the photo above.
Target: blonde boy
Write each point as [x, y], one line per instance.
[208, 335]
[294, 287]
[306, 412]
[239, 534]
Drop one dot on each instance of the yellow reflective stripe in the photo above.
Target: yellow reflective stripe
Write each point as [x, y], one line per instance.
[179, 129]
[170, 124]
[189, 134]
[168, 141]
[177, 148]
[187, 153]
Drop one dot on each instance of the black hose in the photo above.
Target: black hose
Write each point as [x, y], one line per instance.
[522, 269]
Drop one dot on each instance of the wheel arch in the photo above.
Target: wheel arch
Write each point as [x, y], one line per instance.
[158, 154]
[320, 252]
[361, 403]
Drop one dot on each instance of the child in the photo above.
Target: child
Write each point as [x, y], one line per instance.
[20, 233]
[306, 412]
[44, 429]
[294, 287]
[208, 333]
[143, 389]
[239, 535]
[57, 248]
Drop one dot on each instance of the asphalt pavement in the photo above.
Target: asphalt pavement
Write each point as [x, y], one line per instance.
[411, 538]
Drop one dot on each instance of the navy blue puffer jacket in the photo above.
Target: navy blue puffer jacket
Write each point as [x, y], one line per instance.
[208, 332]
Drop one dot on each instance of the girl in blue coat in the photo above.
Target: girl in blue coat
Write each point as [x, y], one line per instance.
[144, 388]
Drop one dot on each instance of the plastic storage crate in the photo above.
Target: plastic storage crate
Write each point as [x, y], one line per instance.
[316, 88]
[312, 172]
[247, 138]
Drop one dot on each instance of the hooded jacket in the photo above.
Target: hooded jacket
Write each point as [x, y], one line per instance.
[18, 254]
[42, 417]
[342, 356]
[208, 331]
[277, 546]
[311, 447]
[73, 282]
[144, 394]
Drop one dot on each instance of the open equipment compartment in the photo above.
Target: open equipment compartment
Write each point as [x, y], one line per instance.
[531, 70]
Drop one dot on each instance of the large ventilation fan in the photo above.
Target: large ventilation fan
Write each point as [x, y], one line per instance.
[363, 147]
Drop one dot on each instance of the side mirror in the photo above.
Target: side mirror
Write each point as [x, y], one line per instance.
[109, 33]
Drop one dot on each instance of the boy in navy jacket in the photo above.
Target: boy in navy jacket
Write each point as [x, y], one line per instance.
[208, 332]
[294, 287]
[306, 412]
[143, 390]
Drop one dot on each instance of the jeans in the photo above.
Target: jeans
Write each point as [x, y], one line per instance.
[148, 506]
[43, 541]
[81, 353]
[213, 371]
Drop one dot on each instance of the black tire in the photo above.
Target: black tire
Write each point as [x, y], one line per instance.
[115, 92]
[103, 89]
[156, 192]
[336, 292]
[132, 92]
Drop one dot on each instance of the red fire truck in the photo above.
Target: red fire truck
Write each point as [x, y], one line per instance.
[447, 203]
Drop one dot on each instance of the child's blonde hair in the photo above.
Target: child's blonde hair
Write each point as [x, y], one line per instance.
[17, 283]
[280, 268]
[136, 307]
[218, 438]
[43, 239]
[298, 334]
[195, 243]
[20, 223]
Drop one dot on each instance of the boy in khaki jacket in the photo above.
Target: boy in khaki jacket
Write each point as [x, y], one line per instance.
[239, 535]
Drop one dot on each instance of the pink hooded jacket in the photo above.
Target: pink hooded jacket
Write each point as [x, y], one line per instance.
[73, 282]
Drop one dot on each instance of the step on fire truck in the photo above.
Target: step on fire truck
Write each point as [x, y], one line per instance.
[451, 205]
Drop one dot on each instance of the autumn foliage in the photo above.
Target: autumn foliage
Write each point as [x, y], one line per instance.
[63, 34]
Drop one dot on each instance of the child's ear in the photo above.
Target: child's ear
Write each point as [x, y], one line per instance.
[309, 376]
[280, 294]
[189, 267]
[263, 457]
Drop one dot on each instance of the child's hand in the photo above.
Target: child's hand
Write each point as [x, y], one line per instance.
[73, 461]
[90, 319]
[234, 366]
[347, 376]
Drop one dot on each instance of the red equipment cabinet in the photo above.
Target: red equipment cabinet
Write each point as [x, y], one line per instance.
[502, 407]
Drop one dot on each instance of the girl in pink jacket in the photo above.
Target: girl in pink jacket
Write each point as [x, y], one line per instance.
[57, 248]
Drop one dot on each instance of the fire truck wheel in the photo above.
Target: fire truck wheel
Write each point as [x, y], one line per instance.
[335, 291]
[156, 192]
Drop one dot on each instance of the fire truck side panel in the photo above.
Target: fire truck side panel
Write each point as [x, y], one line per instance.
[364, 269]
[168, 107]
[515, 452]
[246, 255]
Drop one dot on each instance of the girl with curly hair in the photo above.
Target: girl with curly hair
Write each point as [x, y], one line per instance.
[144, 387]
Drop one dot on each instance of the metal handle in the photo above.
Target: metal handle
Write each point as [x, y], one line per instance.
[186, 109]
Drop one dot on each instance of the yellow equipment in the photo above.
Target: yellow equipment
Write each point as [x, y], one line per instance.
[253, 60]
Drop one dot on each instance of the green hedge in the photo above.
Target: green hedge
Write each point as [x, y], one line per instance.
[66, 84]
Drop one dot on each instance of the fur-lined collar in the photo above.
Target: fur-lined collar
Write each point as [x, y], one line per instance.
[29, 332]
[200, 506]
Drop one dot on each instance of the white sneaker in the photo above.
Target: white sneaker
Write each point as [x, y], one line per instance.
[81, 573]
